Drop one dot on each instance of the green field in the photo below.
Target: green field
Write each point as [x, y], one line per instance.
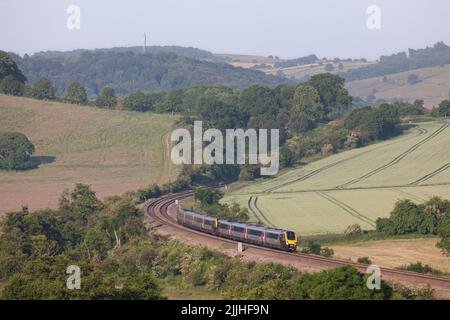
[355, 186]
[300, 71]
[114, 151]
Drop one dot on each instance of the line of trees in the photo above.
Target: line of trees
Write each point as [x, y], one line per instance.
[431, 217]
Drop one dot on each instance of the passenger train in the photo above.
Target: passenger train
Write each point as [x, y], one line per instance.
[267, 237]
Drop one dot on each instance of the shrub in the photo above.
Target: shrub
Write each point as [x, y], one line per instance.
[364, 260]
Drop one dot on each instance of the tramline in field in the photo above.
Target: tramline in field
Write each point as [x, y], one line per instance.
[267, 237]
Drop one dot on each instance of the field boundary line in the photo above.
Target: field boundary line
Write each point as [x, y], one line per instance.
[328, 166]
[262, 214]
[431, 174]
[397, 159]
[347, 208]
[249, 204]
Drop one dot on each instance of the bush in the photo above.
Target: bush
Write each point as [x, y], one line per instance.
[43, 90]
[413, 79]
[353, 229]
[364, 260]
[9, 85]
[15, 151]
[76, 93]
[420, 268]
[107, 98]
[138, 101]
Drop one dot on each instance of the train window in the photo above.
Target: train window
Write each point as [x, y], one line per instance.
[254, 232]
[238, 229]
[223, 226]
[290, 235]
[272, 235]
[198, 219]
[208, 222]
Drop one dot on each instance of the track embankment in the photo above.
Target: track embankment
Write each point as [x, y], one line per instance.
[162, 211]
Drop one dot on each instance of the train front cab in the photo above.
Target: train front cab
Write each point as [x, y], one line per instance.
[290, 241]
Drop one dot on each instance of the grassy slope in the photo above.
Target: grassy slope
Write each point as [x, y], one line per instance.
[299, 72]
[318, 198]
[115, 151]
[434, 87]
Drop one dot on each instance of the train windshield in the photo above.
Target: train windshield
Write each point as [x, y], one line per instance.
[290, 235]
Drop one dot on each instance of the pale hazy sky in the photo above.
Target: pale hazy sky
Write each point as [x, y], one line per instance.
[287, 28]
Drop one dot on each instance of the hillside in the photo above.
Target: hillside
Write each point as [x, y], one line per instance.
[188, 52]
[128, 72]
[304, 71]
[433, 86]
[356, 186]
[114, 151]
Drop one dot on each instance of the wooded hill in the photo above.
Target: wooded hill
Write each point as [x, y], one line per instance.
[128, 71]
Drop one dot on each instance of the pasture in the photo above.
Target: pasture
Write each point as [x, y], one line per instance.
[114, 151]
[434, 86]
[355, 186]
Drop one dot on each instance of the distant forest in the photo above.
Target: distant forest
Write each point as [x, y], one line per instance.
[127, 71]
[435, 56]
[166, 68]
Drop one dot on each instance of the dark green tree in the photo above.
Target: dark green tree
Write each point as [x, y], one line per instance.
[344, 283]
[9, 68]
[306, 109]
[76, 93]
[15, 151]
[444, 108]
[107, 98]
[257, 100]
[43, 90]
[12, 86]
[333, 94]
[138, 101]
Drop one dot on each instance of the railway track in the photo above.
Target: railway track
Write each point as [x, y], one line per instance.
[158, 211]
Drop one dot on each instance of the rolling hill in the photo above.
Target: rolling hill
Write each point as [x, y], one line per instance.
[433, 86]
[128, 71]
[114, 151]
[355, 186]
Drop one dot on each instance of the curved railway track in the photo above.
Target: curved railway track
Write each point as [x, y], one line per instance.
[158, 211]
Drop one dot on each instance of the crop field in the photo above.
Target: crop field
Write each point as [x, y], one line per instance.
[434, 86]
[355, 186]
[300, 71]
[114, 151]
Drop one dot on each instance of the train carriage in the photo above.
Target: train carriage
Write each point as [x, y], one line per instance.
[263, 236]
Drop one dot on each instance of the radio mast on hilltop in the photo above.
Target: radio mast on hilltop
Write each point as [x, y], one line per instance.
[145, 43]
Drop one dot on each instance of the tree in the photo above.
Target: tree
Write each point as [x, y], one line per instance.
[256, 100]
[343, 283]
[76, 93]
[43, 90]
[444, 108]
[12, 86]
[208, 196]
[329, 67]
[15, 151]
[306, 109]
[107, 98]
[9, 68]
[413, 79]
[333, 95]
[138, 101]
